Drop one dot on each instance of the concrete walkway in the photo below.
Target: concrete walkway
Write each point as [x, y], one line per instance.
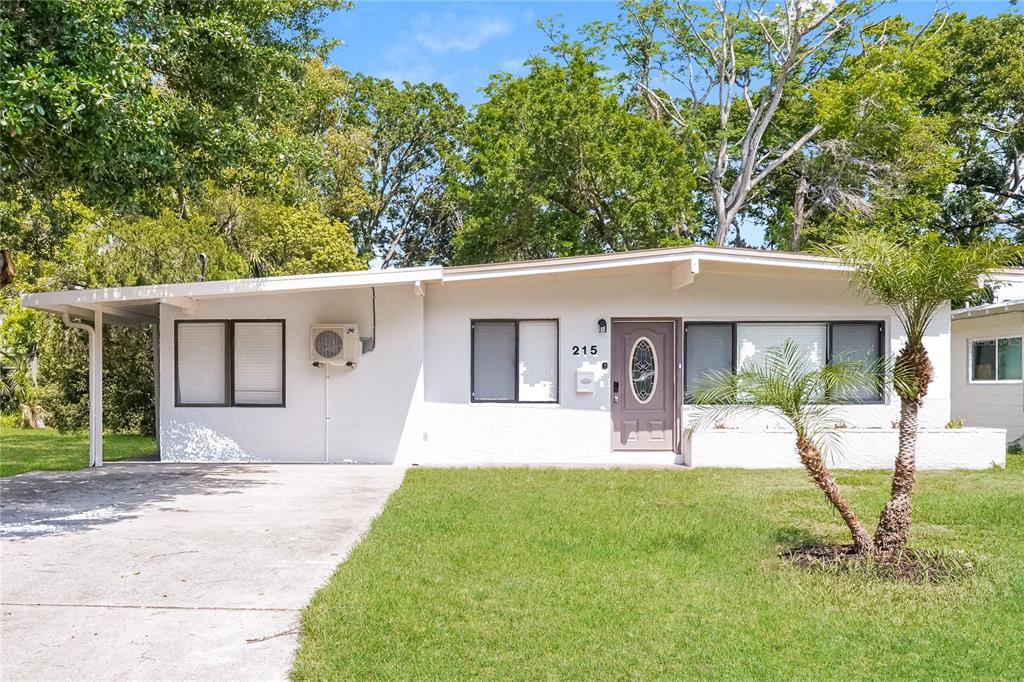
[172, 571]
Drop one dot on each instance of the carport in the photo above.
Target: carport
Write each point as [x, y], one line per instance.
[90, 309]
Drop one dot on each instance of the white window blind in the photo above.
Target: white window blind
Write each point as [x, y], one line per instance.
[753, 341]
[258, 369]
[538, 361]
[708, 349]
[494, 361]
[858, 342]
[201, 367]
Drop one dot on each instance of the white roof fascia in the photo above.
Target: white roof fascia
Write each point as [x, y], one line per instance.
[990, 309]
[1007, 275]
[168, 293]
[655, 257]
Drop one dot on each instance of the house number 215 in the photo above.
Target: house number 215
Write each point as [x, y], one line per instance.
[584, 350]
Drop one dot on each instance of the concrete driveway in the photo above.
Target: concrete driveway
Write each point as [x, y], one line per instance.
[172, 571]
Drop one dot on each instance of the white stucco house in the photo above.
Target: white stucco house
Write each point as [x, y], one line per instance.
[569, 360]
[987, 358]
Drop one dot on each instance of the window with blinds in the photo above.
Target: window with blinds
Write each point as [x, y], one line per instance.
[709, 349]
[515, 361]
[258, 363]
[201, 368]
[753, 341]
[728, 346]
[226, 363]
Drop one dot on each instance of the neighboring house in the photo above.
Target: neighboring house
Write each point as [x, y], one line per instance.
[568, 360]
[987, 356]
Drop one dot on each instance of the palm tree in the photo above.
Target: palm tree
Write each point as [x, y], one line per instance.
[788, 385]
[915, 277]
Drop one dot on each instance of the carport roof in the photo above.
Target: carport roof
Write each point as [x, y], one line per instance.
[134, 305]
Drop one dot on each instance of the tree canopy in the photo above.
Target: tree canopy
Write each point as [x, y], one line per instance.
[137, 134]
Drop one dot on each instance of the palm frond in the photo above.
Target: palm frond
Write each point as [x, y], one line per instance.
[915, 276]
[788, 385]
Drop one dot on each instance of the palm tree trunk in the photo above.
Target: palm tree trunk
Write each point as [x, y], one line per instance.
[820, 474]
[894, 523]
[893, 529]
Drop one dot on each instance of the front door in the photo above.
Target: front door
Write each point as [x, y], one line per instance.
[643, 385]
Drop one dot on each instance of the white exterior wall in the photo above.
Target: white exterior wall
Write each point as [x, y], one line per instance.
[860, 449]
[994, 405]
[578, 430]
[374, 408]
[408, 402]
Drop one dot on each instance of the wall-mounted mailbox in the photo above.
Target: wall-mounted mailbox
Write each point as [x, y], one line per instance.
[585, 381]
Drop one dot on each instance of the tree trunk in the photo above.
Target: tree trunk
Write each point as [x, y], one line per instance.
[822, 477]
[894, 522]
[6, 268]
[797, 236]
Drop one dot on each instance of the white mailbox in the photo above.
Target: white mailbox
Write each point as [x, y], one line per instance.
[584, 381]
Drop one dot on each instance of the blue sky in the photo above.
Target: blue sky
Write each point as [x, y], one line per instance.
[461, 43]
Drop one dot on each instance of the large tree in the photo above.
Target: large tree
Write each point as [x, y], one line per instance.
[413, 140]
[559, 164]
[881, 155]
[982, 96]
[125, 99]
[724, 76]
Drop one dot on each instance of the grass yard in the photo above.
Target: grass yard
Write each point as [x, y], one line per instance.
[32, 449]
[593, 574]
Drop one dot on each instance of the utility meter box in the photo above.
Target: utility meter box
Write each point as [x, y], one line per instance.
[585, 381]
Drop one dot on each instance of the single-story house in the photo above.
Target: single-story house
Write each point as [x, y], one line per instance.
[987, 361]
[567, 360]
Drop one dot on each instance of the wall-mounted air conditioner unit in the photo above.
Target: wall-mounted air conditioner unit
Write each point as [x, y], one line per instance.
[335, 344]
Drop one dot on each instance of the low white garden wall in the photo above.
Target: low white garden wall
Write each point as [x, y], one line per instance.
[970, 448]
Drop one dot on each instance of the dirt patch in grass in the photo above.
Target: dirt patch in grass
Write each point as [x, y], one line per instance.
[911, 566]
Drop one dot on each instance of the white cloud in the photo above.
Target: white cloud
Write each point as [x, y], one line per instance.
[453, 33]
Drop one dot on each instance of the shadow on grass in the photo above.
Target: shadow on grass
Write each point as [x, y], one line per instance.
[794, 537]
[40, 503]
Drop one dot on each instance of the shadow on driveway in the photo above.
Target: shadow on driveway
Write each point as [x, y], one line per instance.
[41, 503]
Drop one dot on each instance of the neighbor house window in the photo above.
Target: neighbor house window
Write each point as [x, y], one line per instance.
[223, 363]
[515, 361]
[728, 346]
[996, 359]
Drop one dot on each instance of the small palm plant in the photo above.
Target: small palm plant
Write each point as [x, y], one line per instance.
[915, 277]
[788, 385]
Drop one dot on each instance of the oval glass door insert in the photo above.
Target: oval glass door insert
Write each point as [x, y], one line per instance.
[643, 370]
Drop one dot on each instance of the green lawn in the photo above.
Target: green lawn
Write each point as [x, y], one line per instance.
[591, 574]
[30, 449]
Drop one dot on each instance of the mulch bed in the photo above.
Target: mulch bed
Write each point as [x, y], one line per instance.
[914, 566]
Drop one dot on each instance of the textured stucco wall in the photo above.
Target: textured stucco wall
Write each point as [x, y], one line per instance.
[998, 405]
[579, 428]
[375, 408]
[857, 449]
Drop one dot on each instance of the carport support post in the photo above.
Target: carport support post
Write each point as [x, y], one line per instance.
[96, 391]
[95, 332]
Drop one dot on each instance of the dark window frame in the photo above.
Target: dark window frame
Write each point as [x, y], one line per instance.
[229, 363]
[515, 366]
[829, 324]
